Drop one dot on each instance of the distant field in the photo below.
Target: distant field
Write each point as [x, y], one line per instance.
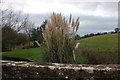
[101, 43]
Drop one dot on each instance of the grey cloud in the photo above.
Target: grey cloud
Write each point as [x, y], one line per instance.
[88, 5]
[94, 24]
[109, 8]
[39, 18]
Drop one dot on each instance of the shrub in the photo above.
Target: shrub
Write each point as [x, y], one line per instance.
[60, 40]
[77, 37]
[8, 38]
[95, 57]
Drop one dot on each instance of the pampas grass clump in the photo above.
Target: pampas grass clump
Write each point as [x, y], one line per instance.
[59, 40]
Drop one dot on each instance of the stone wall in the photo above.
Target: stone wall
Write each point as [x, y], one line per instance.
[21, 70]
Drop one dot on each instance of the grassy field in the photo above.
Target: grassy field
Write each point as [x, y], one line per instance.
[102, 43]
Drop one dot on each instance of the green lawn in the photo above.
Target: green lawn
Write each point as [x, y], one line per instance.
[102, 43]
[33, 54]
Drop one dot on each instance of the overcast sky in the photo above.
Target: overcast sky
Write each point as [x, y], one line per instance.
[95, 15]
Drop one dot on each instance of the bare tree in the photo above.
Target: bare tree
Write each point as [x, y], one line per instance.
[28, 26]
[15, 20]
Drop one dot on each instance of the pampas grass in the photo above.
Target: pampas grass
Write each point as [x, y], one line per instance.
[59, 40]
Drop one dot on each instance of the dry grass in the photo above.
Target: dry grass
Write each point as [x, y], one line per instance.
[60, 41]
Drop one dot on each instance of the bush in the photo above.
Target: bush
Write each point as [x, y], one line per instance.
[95, 57]
[11, 39]
[59, 40]
[21, 39]
[8, 38]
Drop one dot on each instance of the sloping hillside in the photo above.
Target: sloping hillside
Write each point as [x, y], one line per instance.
[102, 43]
